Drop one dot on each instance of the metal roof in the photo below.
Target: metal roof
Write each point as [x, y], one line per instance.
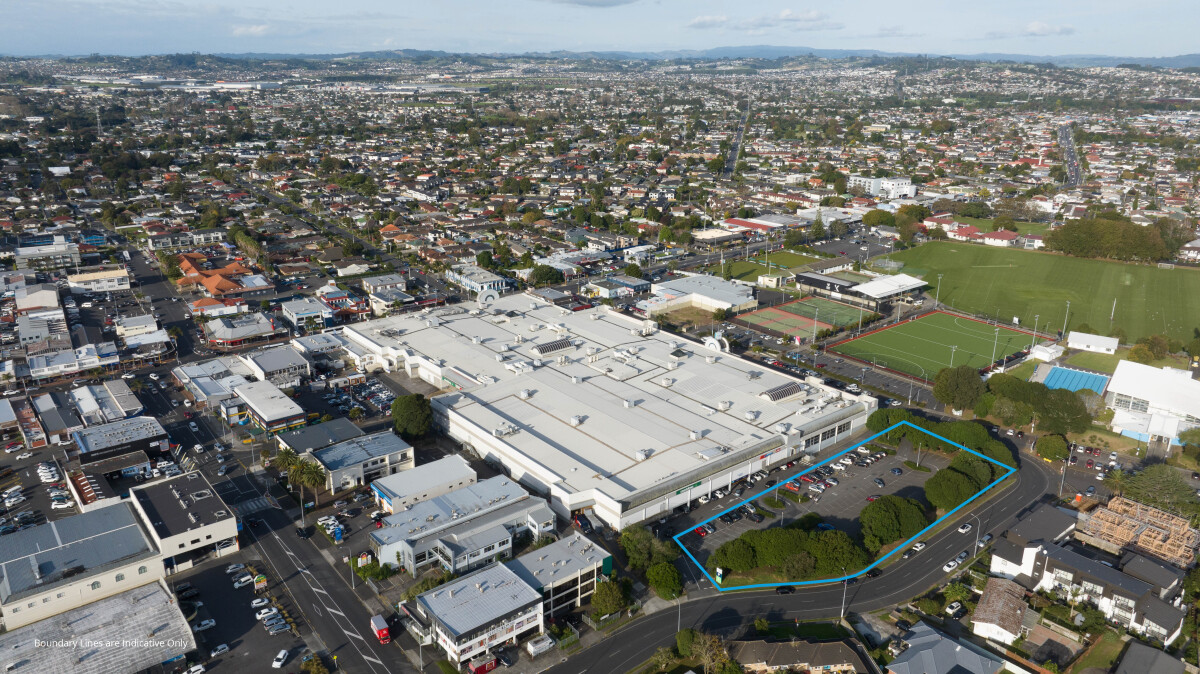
[546, 565]
[355, 451]
[479, 599]
[51, 554]
[320, 435]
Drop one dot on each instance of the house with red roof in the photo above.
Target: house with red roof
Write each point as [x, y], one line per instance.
[1001, 238]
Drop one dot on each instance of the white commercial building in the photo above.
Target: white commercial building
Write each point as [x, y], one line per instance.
[1094, 343]
[598, 410]
[399, 491]
[1153, 404]
[707, 293]
[99, 281]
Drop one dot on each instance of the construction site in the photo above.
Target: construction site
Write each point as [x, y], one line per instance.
[1123, 524]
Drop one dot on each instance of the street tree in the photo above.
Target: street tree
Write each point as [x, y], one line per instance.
[960, 387]
[1052, 447]
[412, 416]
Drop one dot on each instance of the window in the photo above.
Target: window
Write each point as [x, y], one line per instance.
[141, 570]
[96, 585]
[31, 604]
[120, 577]
[60, 595]
[811, 441]
[842, 428]
[828, 434]
[45, 600]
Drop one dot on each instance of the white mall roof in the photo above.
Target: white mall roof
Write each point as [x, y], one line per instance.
[619, 413]
[1167, 389]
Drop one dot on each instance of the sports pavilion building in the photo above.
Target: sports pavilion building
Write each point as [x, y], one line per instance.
[600, 411]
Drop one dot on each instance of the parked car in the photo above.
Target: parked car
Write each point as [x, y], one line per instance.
[204, 625]
[950, 566]
[280, 658]
[260, 602]
[219, 650]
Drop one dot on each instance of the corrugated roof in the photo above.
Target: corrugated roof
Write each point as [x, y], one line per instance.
[479, 599]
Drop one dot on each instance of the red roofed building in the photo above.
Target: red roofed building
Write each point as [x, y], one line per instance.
[1002, 238]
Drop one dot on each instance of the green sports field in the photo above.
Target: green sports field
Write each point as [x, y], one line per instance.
[923, 346]
[1005, 282]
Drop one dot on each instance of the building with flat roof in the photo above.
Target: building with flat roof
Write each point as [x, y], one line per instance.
[127, 436]
[385, 282]
[708, 293]
[396, 492]
[461, 529]
[308, 313]
[281, 365]
[104, 280]
[564, 572]
[572, 403]
[132, 326]
[476, 279]
[388, 300]
[311, 438]
[264, 405]
[134, 630]
[211, 381]
[475, 613]
[187, 519]
[357, 461]
[1153, 404]
[106, 402]
[57, 255]
[74, 561]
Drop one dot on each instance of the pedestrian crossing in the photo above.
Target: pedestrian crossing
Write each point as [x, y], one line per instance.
[254, 505]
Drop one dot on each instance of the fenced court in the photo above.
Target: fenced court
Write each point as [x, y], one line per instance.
[823, 311]
[921, 346]
[776, 320]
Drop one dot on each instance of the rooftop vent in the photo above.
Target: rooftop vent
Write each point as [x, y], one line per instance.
[642, 454]
[525, 394]
[576, 420]
[628, 403]
[695, 435]
[666, 382]
[724, 405]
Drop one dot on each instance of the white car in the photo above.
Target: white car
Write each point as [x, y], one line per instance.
[237, 585]
[244, 576]
[192, 425]
[219, 650]
[13, 500]
[129, 375]
[281, 658]
[950, 565]
[196, 669]
[266, 613]
[260, 602]
[154, 376]
[198, 447]
[24, 455]
[234, 568]
[62, 505]
[205, 625]
[965, 528]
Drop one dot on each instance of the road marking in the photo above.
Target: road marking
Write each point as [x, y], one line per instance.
[375, 660]
[355, 635]
[334, 610]
[316, 609]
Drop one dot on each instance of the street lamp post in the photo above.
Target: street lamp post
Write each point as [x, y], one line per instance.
[995, 342]
[978, 526]
[1033, 341]
[845, 585]
[953, 348]
[937, 295]
[1065, 316]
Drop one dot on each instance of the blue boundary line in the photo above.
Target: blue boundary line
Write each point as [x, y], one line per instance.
[877, 562]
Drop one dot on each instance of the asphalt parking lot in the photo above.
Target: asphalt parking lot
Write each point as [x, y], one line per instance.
[250, 647]
[37, 498]
[838, 506]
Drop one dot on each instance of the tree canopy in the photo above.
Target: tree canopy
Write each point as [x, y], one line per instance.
[891, 518]
[1052, 447]
[959, 387]
[412, 416]
[542, 275]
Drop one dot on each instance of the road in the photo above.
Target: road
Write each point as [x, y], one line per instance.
[735, 149]
[731, 614]
[1070, 158]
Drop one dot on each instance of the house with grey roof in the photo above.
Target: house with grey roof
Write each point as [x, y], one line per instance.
[311, 438]
[759, 657]
[397, 492]
[1000, 615]
[928, 651]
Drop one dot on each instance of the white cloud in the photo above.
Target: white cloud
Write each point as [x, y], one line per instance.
[255, 30]
[803, 21]
[1042, 29]
[708, 22]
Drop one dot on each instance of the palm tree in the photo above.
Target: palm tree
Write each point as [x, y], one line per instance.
[1116, 481]
[285, 459]
[136, 385]
[306, 473]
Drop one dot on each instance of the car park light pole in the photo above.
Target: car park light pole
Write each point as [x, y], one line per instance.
[978, 526]
[845, 584]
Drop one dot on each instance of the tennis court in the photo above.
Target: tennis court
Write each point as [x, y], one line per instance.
[924, 345]
[823, 310]
[784, 322]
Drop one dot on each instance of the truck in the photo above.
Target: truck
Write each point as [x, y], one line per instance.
[380, 627]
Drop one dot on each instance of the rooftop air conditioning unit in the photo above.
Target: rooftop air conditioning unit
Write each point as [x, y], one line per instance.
[695, 435]
[574, 379]
[476, 339]
[781, 428]
[750, 415]
[710, 359]
[525, 394]
[576, 420]
[724, 405]
[667, 381]
[628, 403]
[642, 454]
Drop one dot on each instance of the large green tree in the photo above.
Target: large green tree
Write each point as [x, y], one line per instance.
[1052, 447]
[542, 275]
[412, 416]
[879, 218]
[665, 580]
[960, 387]
[608, 598]
[890, 518]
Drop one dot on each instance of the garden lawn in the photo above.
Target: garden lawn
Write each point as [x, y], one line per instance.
[742, 270]
[1008, 282]
[1102, 656]
[985, 224]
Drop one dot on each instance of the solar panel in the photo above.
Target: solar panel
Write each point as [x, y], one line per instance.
[551, 347]
[783, 391]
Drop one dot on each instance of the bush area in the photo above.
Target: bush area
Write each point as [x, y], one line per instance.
[967, 473]
[428, 584]
[796, 553]
[891, 518]
[373, 570]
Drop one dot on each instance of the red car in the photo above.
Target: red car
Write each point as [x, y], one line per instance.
[807, 478]
[872, 497]
[820, 365]
[1089, 463]
[701, 532]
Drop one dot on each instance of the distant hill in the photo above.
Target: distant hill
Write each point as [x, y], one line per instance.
[746, 51]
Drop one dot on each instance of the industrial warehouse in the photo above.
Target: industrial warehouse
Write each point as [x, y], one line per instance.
[600, 411]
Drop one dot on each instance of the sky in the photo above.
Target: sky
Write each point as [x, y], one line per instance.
[1040, 27]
